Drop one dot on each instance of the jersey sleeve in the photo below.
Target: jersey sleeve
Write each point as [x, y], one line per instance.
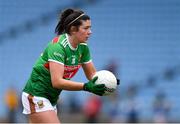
[86, 56]
[56, 53]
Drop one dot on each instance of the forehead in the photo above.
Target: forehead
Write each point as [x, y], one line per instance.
[86, 23]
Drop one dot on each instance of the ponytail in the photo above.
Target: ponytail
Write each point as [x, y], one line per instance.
[60, 28]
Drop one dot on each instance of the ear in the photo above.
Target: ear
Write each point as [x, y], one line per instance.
[73, 29]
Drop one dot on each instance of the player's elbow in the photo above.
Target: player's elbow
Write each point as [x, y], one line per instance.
[55, 83]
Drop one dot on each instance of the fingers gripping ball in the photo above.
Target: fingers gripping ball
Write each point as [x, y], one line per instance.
[107, 78]
[98, 89]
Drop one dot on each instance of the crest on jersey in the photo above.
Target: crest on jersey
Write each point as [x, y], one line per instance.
[80, 58]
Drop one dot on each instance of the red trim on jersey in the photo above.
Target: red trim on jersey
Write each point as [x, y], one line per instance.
[55, 40]
[70, 71]
[46, 65]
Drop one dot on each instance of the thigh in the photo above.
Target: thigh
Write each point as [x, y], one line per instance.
[44, 117]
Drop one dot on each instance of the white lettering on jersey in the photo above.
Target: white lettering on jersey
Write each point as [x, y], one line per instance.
[58, 54]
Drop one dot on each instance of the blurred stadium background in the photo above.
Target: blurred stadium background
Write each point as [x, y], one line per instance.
[139, 40]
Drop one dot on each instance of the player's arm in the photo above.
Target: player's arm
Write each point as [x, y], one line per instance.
[89, 70]
[57, 71]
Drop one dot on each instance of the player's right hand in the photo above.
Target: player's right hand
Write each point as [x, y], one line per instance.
[98, 89]
[118, 81]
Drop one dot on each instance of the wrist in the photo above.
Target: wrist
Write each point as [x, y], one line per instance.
[84, 87]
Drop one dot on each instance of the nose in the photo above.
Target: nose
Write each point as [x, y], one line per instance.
[89, 32]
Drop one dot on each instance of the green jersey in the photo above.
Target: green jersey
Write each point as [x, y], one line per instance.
[58, 50]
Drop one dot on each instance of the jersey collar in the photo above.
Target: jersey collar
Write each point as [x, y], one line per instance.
[72, 48]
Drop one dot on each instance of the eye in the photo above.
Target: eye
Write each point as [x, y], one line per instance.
[87, 28]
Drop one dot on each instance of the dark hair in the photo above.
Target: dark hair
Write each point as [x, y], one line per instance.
[68, 18]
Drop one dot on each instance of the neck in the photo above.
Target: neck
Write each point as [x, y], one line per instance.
[73, 41]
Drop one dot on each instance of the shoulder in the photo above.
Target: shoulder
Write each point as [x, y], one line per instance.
[83, 45]
[59, 41]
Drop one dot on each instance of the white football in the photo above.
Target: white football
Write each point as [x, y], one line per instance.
[107, 78]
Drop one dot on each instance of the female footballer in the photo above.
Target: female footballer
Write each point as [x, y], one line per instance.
[58, 63]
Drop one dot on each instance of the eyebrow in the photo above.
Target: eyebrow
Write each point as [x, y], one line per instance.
[86, 26]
